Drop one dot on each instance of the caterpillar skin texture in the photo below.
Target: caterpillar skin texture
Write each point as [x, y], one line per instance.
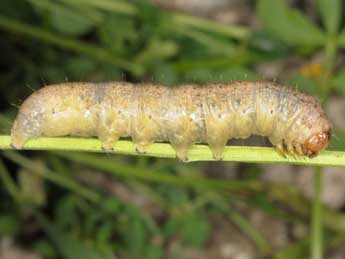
[295, 123]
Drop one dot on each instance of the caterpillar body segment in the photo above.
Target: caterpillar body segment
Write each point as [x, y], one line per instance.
[182, 115]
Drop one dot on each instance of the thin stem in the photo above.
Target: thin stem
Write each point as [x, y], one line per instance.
[196, 153]
[316, 234]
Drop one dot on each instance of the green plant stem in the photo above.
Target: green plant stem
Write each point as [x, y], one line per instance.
[87, 49]
[316, 236]
[196, 153]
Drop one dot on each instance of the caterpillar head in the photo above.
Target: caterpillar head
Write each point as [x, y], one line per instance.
[316, 143]
[319, 140]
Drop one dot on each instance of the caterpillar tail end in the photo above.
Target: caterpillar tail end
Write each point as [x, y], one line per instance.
[18, 137]
[18, 141]
[25, 127]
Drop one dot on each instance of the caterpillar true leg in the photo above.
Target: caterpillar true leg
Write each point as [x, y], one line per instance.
[291, 150]
[280, 149]
[299, 149]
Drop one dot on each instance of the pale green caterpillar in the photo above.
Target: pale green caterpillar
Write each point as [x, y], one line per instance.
[182, 115]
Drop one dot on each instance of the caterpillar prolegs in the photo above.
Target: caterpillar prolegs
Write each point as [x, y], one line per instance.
[295, 123]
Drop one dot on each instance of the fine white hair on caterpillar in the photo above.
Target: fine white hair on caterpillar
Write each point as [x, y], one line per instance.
[294, 122]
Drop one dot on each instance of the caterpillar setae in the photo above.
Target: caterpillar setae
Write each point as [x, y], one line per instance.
[295, 123]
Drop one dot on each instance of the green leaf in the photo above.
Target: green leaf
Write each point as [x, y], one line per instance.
[288, 24]
[331, 14]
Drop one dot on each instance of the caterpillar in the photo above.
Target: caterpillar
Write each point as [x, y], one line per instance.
[294, 122]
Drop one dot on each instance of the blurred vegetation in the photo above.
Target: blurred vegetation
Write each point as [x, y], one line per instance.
[98, 206]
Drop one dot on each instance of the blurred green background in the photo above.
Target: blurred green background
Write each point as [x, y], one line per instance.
[77, 205]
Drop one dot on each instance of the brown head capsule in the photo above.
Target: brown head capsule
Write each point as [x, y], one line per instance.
[317, 142]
